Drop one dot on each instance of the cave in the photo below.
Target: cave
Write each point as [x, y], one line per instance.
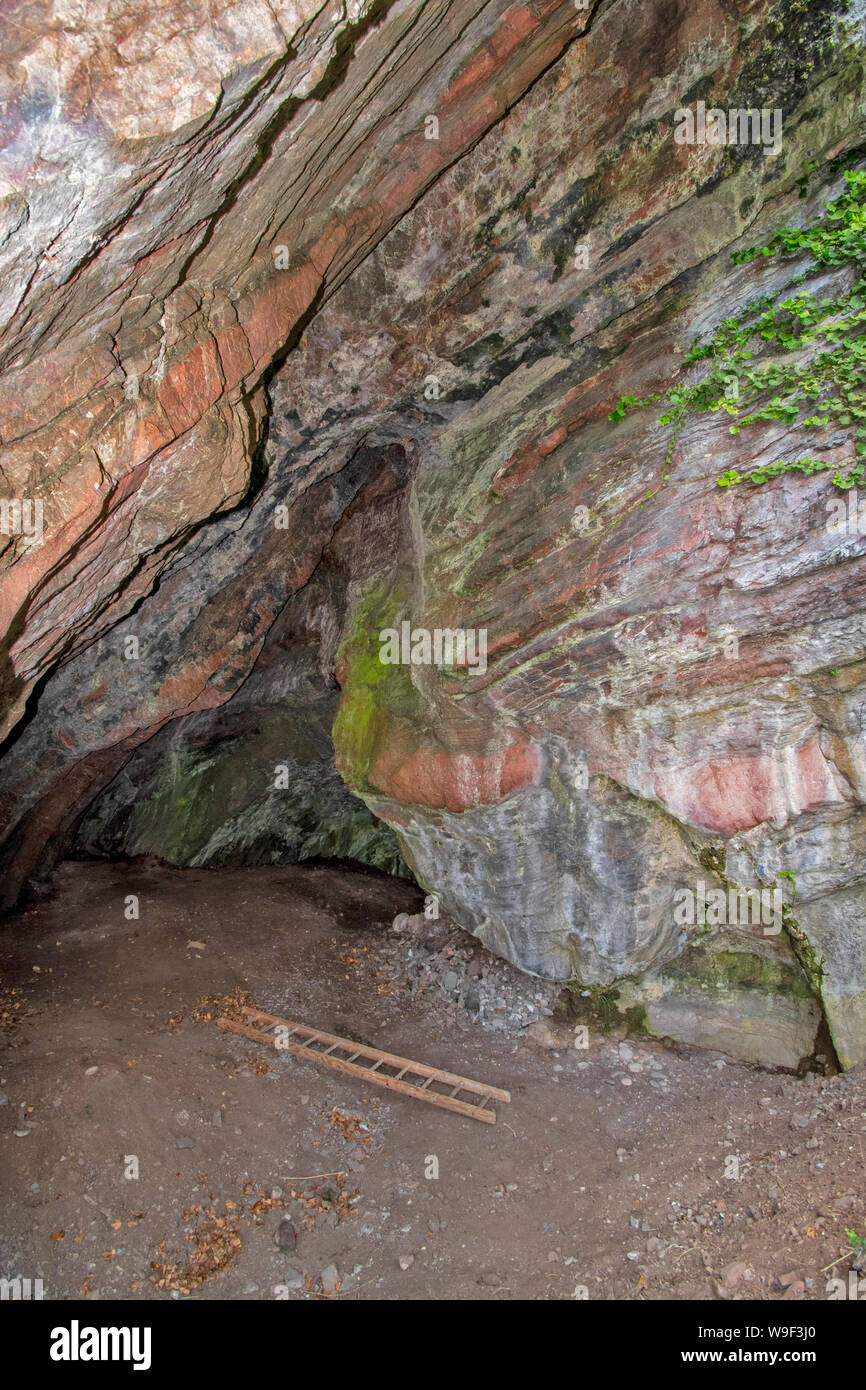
[432, 583]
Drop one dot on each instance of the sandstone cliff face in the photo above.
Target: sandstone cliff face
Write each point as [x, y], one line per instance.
[182, 190]
[287, 373]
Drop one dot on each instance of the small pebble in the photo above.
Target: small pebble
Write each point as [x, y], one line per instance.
[285, 1236]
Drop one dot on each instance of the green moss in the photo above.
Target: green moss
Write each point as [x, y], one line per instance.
[714, 859]
[812, 967]
[359, 723]
[375, 695]
[597, 1006]
[637, 1021]
[719, 971]
[178, 815]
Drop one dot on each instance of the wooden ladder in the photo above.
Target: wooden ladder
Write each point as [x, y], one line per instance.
[370, 1064]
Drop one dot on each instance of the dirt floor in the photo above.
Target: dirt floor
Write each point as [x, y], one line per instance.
[147, 1154]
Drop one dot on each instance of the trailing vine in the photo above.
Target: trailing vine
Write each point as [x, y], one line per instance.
[816, 376]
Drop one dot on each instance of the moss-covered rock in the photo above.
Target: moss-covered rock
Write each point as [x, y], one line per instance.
[740, 994]
[253, 782]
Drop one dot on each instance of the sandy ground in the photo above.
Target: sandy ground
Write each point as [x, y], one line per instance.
[144, 1151]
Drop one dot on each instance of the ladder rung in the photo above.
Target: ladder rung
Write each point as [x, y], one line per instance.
[357, 1059]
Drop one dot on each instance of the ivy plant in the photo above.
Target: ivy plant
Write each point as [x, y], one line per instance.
[798, 356]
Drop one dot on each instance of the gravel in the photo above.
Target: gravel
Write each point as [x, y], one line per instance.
[468, 983]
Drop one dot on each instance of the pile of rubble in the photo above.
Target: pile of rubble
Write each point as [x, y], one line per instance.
[438, 959]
